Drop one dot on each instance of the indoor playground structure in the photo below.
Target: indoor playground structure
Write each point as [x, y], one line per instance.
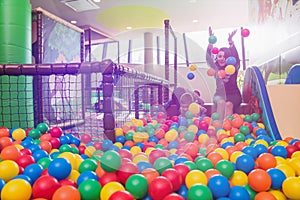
[77, 129]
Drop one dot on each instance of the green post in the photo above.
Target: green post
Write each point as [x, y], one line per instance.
[16, 97]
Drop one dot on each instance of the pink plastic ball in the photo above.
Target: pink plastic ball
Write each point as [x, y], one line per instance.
[86, 138]
[245, 32]
[214, 50]
[56, 132]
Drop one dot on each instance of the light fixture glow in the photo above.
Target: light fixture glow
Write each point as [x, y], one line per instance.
[97, 1]
[73, 22]
[128, 27]
[195, 20]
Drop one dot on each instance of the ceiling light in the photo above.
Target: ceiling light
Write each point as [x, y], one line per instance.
[97, 1]
[73, 22]
[195, 21]
[128, 27]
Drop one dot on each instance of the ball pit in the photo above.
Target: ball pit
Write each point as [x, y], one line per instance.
[178, 158]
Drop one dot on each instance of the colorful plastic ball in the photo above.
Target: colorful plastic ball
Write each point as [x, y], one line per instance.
[277, 177]
[65, 192]
[110, 161]
[214, 50]
[10, 153]
[211, 71]
[160, 187]
[34, 133]
[121, 195]
[231, 60]
[259, 180]
[16, 189]
[109, 189]
[219, 186]
[266, 161]
[8, 170]
[161, 164]
[86, 138]
[155, 154]
[261, 149]
[174, 177]
[190, 76]
[245, 163]
[86, 176]
[137, 181]
[199, 191]
[225, 167]
[44, 187]
[279, 151]
[193, 67]
[195, 177]
[222, 73]
[89, 189]
[19, 134]
[287, 170]
[204, 164]
[238, 193]
[194, 108]
[87, 165]
[150, 174]
[249, 150]
[56, 132]
[173, 196]
[126, 170]
[212, 39]
[33, 171]
[291, 187]
[245, 32]
[60, 168]
[230, 69]
[43, 127]
[239, 178]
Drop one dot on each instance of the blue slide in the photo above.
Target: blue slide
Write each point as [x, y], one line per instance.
[254, 88]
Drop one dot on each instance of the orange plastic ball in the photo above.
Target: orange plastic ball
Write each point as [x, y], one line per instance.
[211, 172]
[264, 196]
[150, 174]
[4, 142]
[65, 192]
[222, 73]
[259, 180]
[4, 132]
[214, 157]
[266, 161]
[211, 72]
[10, 153]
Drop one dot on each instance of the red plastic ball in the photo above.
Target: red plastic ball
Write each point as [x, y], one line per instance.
[108, 177]
[55, 142]
[160, 187]
[173, 196]
[182, 170]
[126, 170]
[174, 177]
[44, 187]
[56, 132]
[121, 195]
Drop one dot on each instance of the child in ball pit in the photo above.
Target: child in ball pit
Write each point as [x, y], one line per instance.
[227, 97]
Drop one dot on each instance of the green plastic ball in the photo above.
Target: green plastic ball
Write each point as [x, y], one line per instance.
[199, 191]
[225, 167]
[110, 161]
[212, 39]
[137, 185]
[255, 116]
[161, 164]
[89, 189]
[42, 127]
[204, 164]
[215, 116]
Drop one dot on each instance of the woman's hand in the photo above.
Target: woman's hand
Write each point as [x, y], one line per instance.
[210, 31]
[230, 36]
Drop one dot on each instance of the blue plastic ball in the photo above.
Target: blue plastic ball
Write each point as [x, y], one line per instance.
[142, 165]
[60, 168]
[190, 76]
[249, 150]
[277, 177]
[279, 151]
[245, 163]
[231, 60]
[261, 149]
[219, 186]
[33, 171]
[86, 175]
[238, 193]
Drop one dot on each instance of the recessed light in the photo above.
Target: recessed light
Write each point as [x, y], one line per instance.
[128, 27]
[73, 22]
[97, 1]
[195, 21]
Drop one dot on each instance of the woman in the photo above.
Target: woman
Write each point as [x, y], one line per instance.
[227, 97]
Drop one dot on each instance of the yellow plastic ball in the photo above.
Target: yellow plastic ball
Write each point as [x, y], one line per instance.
[171, 135]
[222, 152]
[16, 189]
[89, 151]
[280, 160]
[194, 108]
[8, 169]
[296, 154]
[193, 128]
[20, 147]
[195, 177]
[239, 178]
[287, 170]
[278, 194]
[139, 158]
[193, 67]
[135, 150]
[295, 164]
[291, 187]
[118, 132]
[110, 188]
[118, 144]
[235, 155]
[203, 138]
[281, 143]
[148, 150]
[230, 69]
[78, 161]
[263, 142]
[74, 175]
[18, 134]
[261, 125]
[70, 157]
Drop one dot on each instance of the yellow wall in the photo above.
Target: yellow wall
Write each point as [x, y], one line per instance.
[285, 102]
